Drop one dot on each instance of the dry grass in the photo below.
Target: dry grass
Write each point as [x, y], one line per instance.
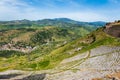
[23, 37]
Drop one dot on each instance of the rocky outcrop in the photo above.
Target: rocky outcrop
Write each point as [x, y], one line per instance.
[113, 29]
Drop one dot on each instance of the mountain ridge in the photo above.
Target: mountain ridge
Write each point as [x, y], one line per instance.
[58, 22]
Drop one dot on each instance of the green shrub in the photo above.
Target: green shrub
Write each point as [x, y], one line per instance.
[43, 64]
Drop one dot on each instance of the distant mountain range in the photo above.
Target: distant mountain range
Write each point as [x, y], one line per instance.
[96, 23]
[57, 22]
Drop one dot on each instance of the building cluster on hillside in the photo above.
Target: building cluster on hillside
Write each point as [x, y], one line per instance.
[10, 46]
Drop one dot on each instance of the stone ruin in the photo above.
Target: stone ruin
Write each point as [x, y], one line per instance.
[113, 28]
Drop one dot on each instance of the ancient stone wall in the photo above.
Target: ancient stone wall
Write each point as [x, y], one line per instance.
[113, 29]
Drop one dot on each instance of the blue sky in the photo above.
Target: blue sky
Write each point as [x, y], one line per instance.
[81, 10]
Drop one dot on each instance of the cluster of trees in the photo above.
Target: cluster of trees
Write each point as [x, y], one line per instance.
[46, 36]
[42, 37]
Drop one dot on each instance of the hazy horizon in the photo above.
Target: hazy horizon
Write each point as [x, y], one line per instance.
[54, 18]
[79, 10]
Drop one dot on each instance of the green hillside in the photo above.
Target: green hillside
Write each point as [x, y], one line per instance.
[34, 43]
[41, 35]
[49, 55]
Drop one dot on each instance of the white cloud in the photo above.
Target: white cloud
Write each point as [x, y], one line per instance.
[114, 1]
[17, 9]
[13, 9]
[82, 16]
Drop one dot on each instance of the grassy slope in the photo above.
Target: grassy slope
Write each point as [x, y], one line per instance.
[24, 34]
[88, 42]
[14, 61]
[61, 53]
[39, 61]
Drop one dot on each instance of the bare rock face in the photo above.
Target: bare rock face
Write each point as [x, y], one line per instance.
[113, 29]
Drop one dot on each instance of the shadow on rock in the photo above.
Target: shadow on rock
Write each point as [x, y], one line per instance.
[8, 76]
[35, 77]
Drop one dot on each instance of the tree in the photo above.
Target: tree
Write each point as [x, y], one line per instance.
[42, 37]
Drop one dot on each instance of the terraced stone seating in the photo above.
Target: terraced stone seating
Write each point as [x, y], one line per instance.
[113, 29]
